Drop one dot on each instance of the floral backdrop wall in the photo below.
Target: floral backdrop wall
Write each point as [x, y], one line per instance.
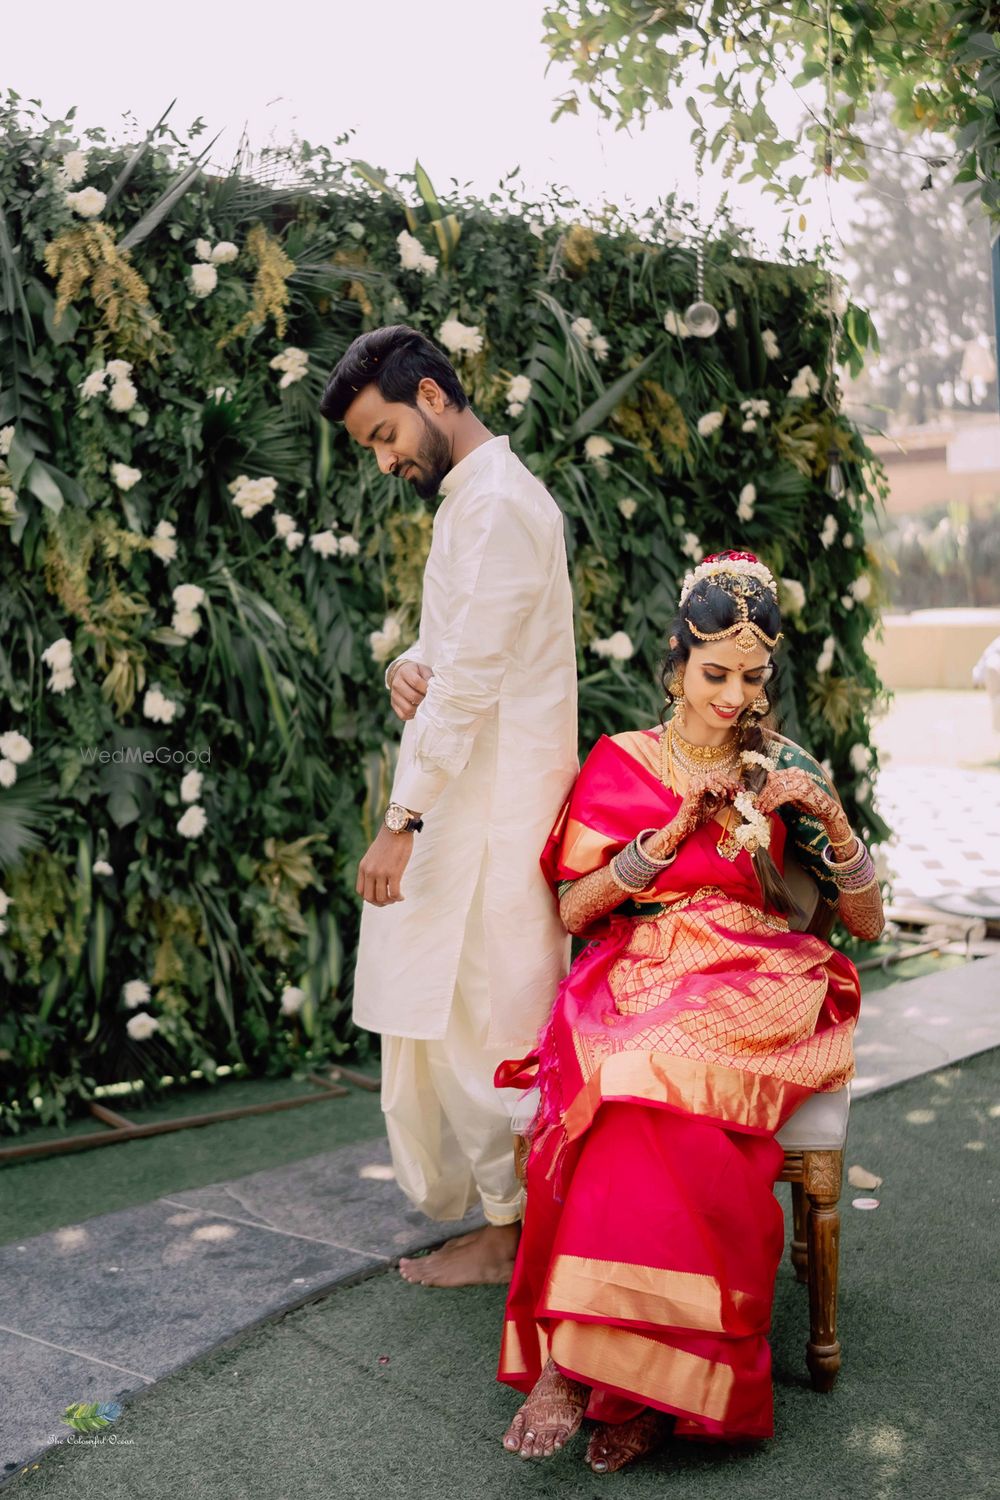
[201, 581]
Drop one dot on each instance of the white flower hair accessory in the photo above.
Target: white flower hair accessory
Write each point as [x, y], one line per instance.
[740, 565]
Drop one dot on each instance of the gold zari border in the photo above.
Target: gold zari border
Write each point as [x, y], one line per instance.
[633, 1293]
[644, 1368]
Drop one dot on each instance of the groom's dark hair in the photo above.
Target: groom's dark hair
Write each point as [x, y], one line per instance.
[396, 359]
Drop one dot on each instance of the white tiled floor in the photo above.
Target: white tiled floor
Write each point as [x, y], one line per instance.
[946, 831]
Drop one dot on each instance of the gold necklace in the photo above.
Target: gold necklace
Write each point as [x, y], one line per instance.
[694, 759]
[723, 757]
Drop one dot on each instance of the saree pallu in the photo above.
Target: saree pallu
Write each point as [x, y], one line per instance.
[683, 1037]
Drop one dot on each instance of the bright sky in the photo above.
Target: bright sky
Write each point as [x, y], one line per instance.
[461, 84]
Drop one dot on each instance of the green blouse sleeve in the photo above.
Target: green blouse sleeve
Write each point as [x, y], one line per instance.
[806, 834]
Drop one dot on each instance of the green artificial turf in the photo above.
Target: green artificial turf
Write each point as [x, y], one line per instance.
[387, 1390]
[48, 1192]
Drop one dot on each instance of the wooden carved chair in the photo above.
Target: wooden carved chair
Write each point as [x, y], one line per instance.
[813, 1138]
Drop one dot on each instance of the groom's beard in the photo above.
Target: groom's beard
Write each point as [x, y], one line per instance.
[432, 462]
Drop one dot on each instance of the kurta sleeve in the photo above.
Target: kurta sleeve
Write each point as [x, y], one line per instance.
[497, 572]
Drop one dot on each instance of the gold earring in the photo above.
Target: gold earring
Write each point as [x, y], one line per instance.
[675, 687]
[760, 706]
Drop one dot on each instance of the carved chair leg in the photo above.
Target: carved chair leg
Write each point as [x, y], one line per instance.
[822, 1173]
[799, 1254]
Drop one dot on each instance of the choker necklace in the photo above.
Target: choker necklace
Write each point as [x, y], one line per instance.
[694, 759]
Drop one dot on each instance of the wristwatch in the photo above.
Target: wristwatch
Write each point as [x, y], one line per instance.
[400, 820]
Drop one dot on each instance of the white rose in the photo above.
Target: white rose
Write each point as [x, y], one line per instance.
[673, 324]
[515, 408]
[828, 535]
[294, 362]
[805, 384]
[847, 540]
[519, 388]
[860, 758]
[599, 347]
[383, 642]
[15, 747]
[294, 540]
[709, 423]
[224, 253]
[122, 395]
[192, 824]
[597, 448]
[459, 338]
[746, 503]
[59, 655]
[283, 523]
[769, 340]
[186, 622]
[156, 706]
[324, 542]
[583, 328]
[141, 1026]
[292, 999]
[5, 901]
[88, 202]
[125, 478]
[62, 680]
[92, 385]
[847, 602]
[8, 501]
[8, 772]
[349, 546]
[730, 319]
[861, 588]
[691, 547]
[101, 867]
[188, 595]
[204, 279]
[6, 438]
[749, 425]
[118, 369]
[162, 544]
[135, 993]
[628, 507]
[794, 595]
[72, 168]
[191, 784]
[618, 647]
[203, 249]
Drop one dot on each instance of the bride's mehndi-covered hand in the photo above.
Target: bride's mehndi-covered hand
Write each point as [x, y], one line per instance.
[795, 788]
[705, 795]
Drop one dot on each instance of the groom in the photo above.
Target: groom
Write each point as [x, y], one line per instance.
[461, 946]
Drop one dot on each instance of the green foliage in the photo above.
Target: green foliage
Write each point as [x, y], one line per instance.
[940, 63]
[276, 684]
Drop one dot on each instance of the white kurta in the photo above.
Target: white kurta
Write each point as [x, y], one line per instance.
[488, 759]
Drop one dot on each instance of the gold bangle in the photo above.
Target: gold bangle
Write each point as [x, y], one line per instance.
[861, 888]
[843, 843]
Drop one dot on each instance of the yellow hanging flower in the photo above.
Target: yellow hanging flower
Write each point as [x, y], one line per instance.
[87, 255]
[270, 290]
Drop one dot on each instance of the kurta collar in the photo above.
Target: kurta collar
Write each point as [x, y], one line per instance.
[465, 469]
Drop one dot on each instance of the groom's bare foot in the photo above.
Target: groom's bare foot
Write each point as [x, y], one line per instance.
[483, 1258]
[615, 1444]
[549, 1417]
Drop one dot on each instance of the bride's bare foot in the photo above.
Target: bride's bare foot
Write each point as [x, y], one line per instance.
[484, 1258]
[549, 1417]
[615, 1444]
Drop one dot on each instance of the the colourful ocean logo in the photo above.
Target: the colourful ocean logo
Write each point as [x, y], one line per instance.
[91, 1416]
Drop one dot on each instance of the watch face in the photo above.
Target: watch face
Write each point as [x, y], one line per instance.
[396, 818]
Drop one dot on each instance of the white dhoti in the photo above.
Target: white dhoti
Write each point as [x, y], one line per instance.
[449, 1129]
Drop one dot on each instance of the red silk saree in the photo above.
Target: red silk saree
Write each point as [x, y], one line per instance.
[685, 1034]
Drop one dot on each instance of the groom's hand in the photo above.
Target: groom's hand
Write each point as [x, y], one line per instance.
[408, 687]
[380, 873]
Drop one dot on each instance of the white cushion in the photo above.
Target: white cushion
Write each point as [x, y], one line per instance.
[820, 1124]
